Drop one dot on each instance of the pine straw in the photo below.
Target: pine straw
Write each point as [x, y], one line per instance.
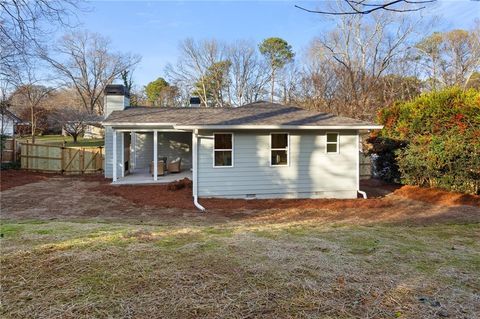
[191, 272]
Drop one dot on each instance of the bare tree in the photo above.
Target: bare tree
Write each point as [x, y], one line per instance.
[362, 7]
[31, 93]
[194, 65]
[362, 51]
[86, 62]
[25, 23]
[74, 121]
[449, 58]
[248, 77]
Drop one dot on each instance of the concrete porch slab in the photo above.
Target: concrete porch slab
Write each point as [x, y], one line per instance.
[144, 177]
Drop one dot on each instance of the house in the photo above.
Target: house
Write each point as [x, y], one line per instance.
[91, 130]
[9, 122]
[260, 150]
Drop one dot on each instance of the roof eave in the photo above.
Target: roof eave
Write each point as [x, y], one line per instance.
[136, 124]
[245, 127]
[274, 127]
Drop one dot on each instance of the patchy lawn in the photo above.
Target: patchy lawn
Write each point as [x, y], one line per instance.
[70, 250]
[59, 139]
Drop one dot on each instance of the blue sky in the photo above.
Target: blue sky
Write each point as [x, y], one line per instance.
[153, 29]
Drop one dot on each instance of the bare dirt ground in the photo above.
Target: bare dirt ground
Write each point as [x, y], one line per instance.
[14, 178]
[47, 197]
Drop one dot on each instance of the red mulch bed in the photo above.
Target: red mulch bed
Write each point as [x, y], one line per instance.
[179, 195]
[13, 178]
[437, 196]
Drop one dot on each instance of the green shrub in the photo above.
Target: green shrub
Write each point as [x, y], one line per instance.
[442, 131]
[12, 165]
[385, 161]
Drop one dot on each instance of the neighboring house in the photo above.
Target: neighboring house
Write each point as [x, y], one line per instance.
[8, 123]
[260, 150]
[92, 130]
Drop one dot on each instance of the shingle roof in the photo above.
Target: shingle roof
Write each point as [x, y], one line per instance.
[254, 114]
[12, 116]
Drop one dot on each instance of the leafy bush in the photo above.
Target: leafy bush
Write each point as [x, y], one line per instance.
[384, 160]
[443, 134]
[12, 165]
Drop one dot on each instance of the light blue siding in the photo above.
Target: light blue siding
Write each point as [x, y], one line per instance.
[311, 172]
[143, 150]
[109, 153]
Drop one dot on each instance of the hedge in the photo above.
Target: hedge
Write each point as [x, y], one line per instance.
[436, 140]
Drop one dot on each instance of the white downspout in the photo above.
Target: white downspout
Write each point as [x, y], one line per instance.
[195, 170]
[358, 167]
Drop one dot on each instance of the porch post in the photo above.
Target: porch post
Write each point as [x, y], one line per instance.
[123, 154]
[133, 141]
[155, 155]
[194, 162]
[114, 157]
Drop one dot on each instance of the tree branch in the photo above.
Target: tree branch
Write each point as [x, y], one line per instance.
[362, 8]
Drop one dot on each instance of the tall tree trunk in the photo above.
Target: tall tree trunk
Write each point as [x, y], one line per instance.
[32, 125]
[273, 85]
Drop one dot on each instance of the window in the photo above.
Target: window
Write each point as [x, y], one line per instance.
[223, 150]
[279, 149]
[332, 142]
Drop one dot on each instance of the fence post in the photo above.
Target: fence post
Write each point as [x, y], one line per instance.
[62, 159]
[14, 147]
[27, 166]
[82, 161]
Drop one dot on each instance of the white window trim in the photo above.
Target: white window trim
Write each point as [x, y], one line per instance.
[337, 143]
[223, 149]
[280, 149]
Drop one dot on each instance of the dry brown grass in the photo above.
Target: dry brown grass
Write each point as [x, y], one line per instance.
[234, 270]
[69, 251]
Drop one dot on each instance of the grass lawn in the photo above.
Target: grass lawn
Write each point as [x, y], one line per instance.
[59, 139]
[238, 269]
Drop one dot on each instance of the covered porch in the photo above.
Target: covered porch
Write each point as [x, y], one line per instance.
[151, 156]
[143, 177]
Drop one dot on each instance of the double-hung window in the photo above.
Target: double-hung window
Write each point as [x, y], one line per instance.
[223, 150]
[279, 149]
[332, 143]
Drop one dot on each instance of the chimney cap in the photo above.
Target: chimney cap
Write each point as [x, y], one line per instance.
[116, 89]
[195, 100]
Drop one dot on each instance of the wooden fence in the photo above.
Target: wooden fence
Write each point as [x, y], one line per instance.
[9, 150]
[58, 159]
[365, 166]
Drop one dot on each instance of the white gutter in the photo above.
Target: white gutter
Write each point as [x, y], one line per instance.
[273, 127]
[247, 127]
[195, 170]
[136, 124]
